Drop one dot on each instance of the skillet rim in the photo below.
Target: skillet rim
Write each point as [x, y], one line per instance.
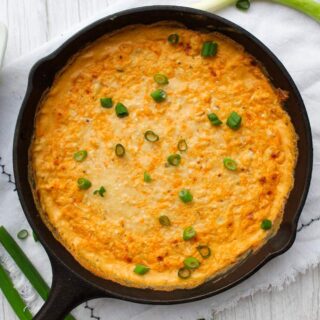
[31, 217]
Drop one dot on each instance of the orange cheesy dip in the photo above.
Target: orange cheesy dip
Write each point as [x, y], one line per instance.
[162, 155]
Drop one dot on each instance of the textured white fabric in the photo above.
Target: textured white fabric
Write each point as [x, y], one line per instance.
[295, 39]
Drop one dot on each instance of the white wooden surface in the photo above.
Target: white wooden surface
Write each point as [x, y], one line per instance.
[32, 23]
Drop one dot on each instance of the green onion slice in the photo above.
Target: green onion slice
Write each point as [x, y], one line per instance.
[173, 38]
[184, 273]
[185, 195]
[101, 191]
[243, 4]
[35, 237]
[13, 296]
[164, 221]
[23, 234]
[121, 110]
[120, 150]
[80, 155]
[182, 145]
[209, 49]
[106, 103]
[141, 269]
[204, 251]
[159, 95]
[151, 136]
[174, 159]
[234, 121]
[191, 263]
[160, 78]
[189, 233]
[84, 184]
[230, 164]
[214, 119]
[266, 224]
[147, 177]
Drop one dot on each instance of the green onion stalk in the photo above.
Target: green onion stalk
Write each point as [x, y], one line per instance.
[308, 7]
[13, 296]
[29, 271]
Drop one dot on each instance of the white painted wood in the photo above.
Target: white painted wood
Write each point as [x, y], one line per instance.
[32, 23]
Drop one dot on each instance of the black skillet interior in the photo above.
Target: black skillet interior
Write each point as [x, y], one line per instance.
[73, 284]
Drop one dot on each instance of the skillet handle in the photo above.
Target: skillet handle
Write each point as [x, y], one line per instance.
[67, 292]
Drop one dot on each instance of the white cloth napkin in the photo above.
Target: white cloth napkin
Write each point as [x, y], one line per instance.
[295, 39]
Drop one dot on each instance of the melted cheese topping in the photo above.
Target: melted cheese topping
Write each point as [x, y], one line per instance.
[109, 235]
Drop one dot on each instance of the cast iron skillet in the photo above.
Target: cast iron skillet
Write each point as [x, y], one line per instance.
[72, 284]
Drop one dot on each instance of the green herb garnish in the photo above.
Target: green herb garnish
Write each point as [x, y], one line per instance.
[121, 110]
[159, 95]
[213, 118]
[106, 103]
[101, 191]
[204, 251]
[184, 273]
[120, 150]
[174, 159]
[234, 121]
[141, 269]
[151, 136]
[80, 155]
[209, 49]
[185, 195]
[189, 233]
[191, 263]
[160, 79]
[266, 224]
[147, 177]
[84, 184]
[23, 234]
[173, 38]
[182, 145]
[164, 221]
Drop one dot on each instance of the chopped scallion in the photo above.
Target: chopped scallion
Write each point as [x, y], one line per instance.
[174, 159]
[185, 195]
[160, 79]
[173, 38]
[184, 273]
[121, 110]
[234, 121]
[84, 184]
[243, 4]
[230, 164]
[151, 136]
[23, 234]
[164, 221]
[159, 95]
[266, 224]
[191, 263]
[101, 191]
[80, 155]
[141, 269]
[204, 251]
[147, 177]
[209, 49]
[120, 150]
[182, 145]
[189, 233]
[213, 118]
[106, 103]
